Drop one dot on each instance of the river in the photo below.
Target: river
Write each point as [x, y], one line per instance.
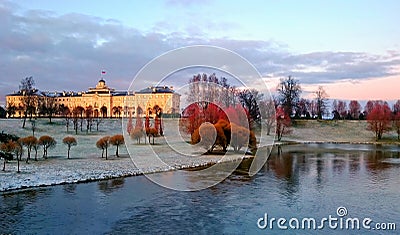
[300, 181]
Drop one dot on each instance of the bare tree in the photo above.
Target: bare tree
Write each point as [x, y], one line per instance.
[249, 100]
[77, 113]
[396, 107]
[48, 107]
[89, 118]
[321, 101]
[267, 111]
[289, 93]
[66, 113]
[29, 100]
[354, 109]
[205, 89]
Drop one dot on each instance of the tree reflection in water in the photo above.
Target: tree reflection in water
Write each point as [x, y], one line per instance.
[109, 186]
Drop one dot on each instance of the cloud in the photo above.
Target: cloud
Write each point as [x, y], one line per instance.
[67, 52]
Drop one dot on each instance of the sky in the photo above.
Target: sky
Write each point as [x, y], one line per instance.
[351, 48]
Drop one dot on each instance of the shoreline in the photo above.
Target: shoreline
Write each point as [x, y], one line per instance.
[113, 174]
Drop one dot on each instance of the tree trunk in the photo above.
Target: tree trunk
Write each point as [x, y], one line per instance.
[117, 151]
[4, 164]
[106, 153]
[23, 124]
[29, 155]
[102, 153]
[18, 166]
[35, 154]
[69, 147]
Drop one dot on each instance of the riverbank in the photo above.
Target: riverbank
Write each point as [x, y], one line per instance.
[86, 164]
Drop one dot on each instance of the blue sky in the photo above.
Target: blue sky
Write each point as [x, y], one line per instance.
[64, 44]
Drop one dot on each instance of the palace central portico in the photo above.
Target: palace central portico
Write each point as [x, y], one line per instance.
[105, 101]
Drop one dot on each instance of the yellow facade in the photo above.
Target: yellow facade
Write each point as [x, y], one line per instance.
[107, 102]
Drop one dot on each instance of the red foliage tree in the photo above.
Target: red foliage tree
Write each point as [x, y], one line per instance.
[194, 115]
[139, 122]
[237, 115]
[342, 106]
[369, 106]
[191, 118]
[129, 126]
[379, 119]
[354, 109]
[283, 123]
[157, 124]
[147, 122]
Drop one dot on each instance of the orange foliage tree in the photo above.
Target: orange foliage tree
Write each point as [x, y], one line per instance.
[379, 119]
[103, 144]
[69, 141]
[29, 142]
[6, 152]
[136, 134]
[47, 142]
[117, 140]
[151, 132]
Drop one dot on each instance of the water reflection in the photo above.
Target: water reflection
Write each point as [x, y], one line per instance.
[286, 162]
[12, 205]
[109, 186]
[69, 188]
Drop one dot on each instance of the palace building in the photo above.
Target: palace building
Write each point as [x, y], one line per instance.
[102, 101]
